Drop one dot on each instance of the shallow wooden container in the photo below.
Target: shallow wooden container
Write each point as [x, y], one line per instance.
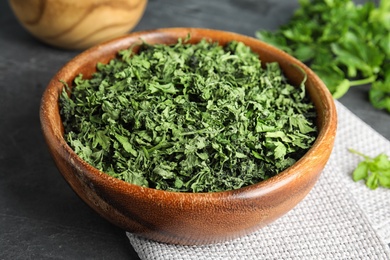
[189, 218]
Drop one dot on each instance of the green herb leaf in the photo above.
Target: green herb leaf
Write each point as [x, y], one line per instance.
[375, 171]
[188, 117]
[346, 44]
[361, 171]
[380, 94]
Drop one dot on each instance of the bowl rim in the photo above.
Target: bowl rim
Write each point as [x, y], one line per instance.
[49, 107]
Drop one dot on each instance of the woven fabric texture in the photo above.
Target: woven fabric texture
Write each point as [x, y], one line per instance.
[339, 219]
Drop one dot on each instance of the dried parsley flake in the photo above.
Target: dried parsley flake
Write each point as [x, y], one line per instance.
[188, 117]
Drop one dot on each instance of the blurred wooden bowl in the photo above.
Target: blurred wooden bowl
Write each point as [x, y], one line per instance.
[189, 218]
[75, 24]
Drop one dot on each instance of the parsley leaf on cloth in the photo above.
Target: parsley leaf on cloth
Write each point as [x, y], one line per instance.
[375, 171]
[345, 44]
[188, 117]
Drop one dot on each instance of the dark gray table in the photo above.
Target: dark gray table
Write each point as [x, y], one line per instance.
[40, 216]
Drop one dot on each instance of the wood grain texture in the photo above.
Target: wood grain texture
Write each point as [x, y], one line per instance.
[74, 24]
[189, 218]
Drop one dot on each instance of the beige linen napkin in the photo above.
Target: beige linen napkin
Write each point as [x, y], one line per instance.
[339, 219]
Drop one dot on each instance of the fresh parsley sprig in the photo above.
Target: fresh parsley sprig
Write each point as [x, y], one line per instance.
[346, 44]
[375, 171]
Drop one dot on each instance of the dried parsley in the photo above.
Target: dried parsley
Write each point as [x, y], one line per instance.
[188, 117]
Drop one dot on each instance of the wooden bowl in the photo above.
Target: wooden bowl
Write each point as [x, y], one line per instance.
[189, 218]
[75, 24]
